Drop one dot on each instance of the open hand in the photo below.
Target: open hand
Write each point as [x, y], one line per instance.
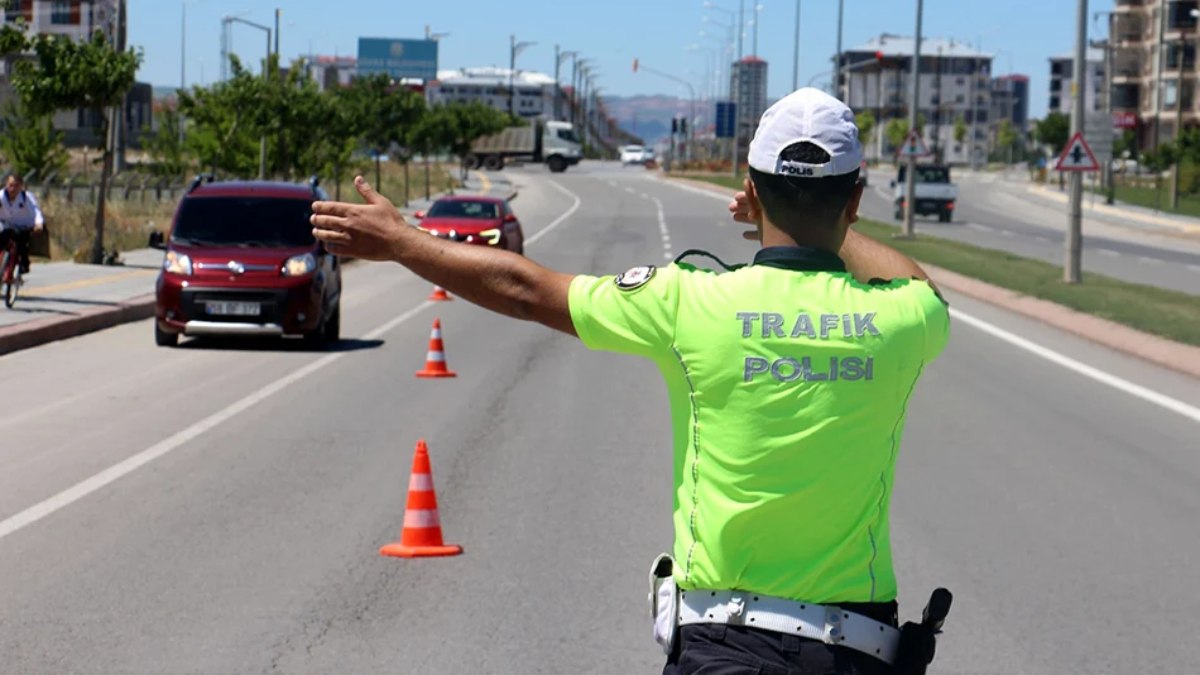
[746, 209]
[370, 231]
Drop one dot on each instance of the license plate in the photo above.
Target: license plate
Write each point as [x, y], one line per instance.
[233, 308]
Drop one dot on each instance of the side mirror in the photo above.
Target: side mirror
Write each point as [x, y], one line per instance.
[157, 241]
[419, 215]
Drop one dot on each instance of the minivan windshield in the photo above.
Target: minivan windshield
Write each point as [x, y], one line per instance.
[244, 221]
[463, 209]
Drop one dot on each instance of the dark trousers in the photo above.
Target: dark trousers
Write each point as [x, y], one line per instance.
[22, 237]
[716, 649]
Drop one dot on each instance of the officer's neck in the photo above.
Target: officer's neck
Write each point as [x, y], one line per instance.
[825, 240]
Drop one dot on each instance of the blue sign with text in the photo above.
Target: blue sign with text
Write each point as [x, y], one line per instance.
[726, 118]
[416, 59]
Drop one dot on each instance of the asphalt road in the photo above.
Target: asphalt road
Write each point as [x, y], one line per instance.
[1001, 214]
[217, 508]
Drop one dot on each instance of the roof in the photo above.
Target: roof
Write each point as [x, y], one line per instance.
[491, 75]
[470, 198]
[243, 188]
[752, 59]
[899, 45]
[1093, 56]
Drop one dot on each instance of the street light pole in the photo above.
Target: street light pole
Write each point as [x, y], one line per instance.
[910, 184]
[796, 51]
[837, 79]
[1072, 263]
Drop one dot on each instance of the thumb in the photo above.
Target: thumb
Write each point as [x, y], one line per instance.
[368, 193]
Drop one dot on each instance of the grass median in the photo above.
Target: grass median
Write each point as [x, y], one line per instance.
[1170, 314]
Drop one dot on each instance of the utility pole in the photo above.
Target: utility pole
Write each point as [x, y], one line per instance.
[735, 90]
[975, 68]
[277, 11]
[796, 51]
[910, 184]
[1073, 242]
[837, 67]
[512, 66]
[937, 107]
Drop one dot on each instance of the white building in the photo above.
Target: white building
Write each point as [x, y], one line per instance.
[331, 72]
[76, 18]
[531, 93]
[1062, 74]
[955, 84]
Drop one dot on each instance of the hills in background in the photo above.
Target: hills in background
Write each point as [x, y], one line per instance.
[649, 117]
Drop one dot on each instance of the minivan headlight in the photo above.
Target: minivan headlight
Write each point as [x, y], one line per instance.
[177, 263]
[299, 265]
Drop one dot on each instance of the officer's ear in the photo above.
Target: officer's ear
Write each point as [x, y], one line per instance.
[851, 212]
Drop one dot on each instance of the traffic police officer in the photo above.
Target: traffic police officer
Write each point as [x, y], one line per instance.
[788, 379]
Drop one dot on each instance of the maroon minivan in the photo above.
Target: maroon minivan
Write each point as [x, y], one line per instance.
[241, 260]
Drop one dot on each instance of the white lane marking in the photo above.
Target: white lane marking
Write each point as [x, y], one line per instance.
[612, 183]
[1069, 363]
[559, 220]
[132, 463]
[1152, 261]
[630, 190]
[1007, 233]
[645, 196]
[1101, 376]
[1194, 268]
[1108, 252]
[662, 228]
[978, 227]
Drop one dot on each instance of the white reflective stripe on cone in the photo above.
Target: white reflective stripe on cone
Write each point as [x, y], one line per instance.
[437, 357]
[421, 482]
[421, 518]
[437, 333]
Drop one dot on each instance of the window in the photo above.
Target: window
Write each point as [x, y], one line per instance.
[1055, 103]
[60, 12]
[960, 99]
[960, 81]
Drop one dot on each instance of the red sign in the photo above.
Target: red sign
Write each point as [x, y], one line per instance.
[1125, 120]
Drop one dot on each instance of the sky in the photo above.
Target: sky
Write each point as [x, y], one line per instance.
[664, 35]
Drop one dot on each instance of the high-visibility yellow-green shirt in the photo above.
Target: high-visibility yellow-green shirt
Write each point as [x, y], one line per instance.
[788, 383]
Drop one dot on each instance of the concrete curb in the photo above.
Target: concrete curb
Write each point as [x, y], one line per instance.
[1116, 211]
[34, 333]
[1176, 356]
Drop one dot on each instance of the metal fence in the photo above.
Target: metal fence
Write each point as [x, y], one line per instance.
[130, 187]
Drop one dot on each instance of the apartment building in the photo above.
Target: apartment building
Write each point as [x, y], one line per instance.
[748, 82]
[78, 19]
[955, 84]
[1062, 74]
[532, 92]
[1153, 56]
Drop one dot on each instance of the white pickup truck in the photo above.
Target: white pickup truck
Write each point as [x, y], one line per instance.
[935, 194]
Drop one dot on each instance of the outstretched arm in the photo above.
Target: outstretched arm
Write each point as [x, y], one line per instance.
[501, 281]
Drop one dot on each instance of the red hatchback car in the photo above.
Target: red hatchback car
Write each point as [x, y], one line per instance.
[484, 221]
[241, 261]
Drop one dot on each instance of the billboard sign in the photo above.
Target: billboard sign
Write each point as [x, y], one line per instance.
[416, 59]
[726, 118]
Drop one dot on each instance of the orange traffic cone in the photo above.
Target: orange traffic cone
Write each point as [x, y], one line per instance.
[439, 295]
[422, 533]
[435, 359]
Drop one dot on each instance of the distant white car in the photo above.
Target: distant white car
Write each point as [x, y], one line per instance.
[635, 154]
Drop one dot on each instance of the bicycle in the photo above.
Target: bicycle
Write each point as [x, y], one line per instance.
[10, 272]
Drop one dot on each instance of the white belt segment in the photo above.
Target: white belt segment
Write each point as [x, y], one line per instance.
[421, 518]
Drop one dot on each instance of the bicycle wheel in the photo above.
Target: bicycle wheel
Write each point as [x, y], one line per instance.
[10, 290]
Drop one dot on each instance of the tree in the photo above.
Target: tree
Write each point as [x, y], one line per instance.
[960, 129]
[866, 124]
[381, 113]
[31, 144]
[1006, 136]
[1054, 131]
[467, 123]
[168, 152]
[896, 131]
[64, 75]
[227, 121]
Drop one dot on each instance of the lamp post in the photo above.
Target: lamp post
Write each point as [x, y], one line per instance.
[910, 183]
[515, 48]
[796, 51]
[262, 141]
[559, 57]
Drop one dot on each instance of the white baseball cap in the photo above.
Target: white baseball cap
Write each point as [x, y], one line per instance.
[807, 116]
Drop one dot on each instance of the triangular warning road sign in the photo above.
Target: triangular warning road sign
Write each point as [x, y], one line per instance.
[913, 146]
[1077, 156]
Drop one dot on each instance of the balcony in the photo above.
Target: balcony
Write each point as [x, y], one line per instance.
[1128, 5]
[1126, 97]
[1128, 28]
[1127, 64]
[1179, 15]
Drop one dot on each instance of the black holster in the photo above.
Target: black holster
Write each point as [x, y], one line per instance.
[918, 641]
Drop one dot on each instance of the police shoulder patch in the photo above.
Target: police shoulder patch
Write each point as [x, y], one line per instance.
[635, 277]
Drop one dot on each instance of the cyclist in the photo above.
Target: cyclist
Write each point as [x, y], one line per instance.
[20, 217]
